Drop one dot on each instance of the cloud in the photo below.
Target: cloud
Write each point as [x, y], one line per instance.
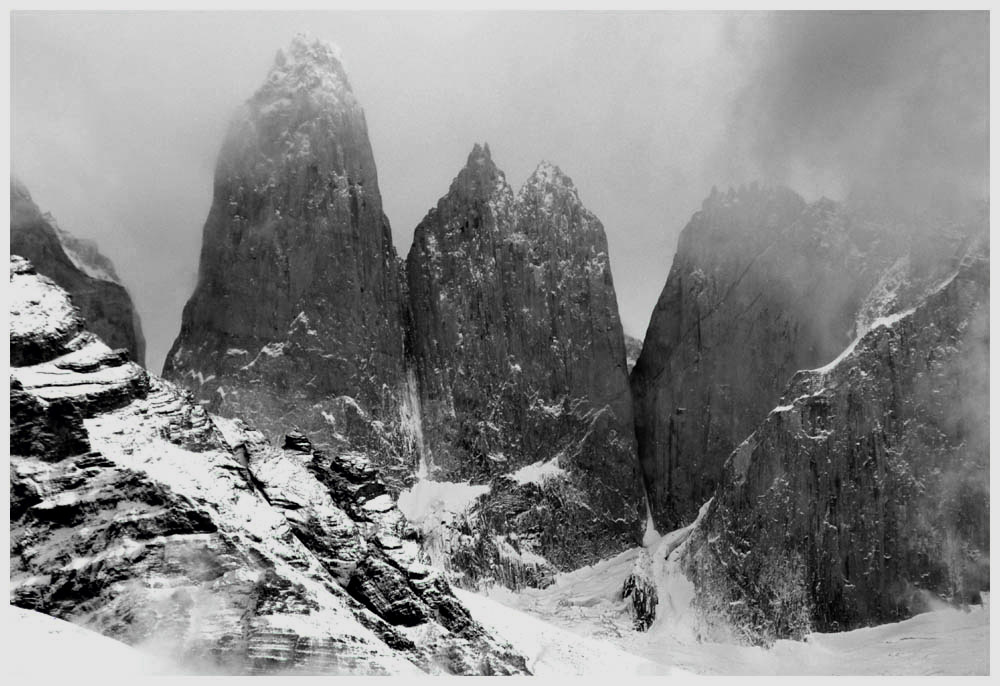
[886, 109]
[116, 118]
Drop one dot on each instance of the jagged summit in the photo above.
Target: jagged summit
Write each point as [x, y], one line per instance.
[753, 193]
[480, 154]
[547, 187]
[480, 177]
[305, 48]
[480, 161]
[480, 183]
[306, 66]
[548, 174]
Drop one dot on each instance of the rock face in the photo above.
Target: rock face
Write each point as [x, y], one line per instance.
[633, 347]
[864, 496]
[138, 515]
[78, 267]
[298, 300]
[762, 285]
[519, 355]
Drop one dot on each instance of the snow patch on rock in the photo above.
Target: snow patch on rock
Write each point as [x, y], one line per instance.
[887, 321]
[85, 255]
[427, 502]
[37, 307]
[539, 472]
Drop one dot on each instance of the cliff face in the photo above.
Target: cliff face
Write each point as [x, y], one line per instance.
[298, 298]
[79, 268]
[864, 496]
[762, 285]
[519, 354]
[138, 515]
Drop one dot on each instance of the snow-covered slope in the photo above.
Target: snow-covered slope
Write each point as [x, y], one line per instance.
[80, 651]
[553, 650]
[581, 626]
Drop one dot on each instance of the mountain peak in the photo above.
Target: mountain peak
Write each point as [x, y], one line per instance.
[755, 193]
[480, 176]
[307, 65]
[547, 175]
[480, 156]
[547, 186]
[313, 50]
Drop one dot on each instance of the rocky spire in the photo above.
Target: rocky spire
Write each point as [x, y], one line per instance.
[519, 351]
[298, 298]
[479, 181]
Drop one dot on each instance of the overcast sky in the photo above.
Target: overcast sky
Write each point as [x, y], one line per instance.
[117, 118]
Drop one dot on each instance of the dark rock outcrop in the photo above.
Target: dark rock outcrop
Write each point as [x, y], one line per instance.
[297, 302]
[863, 497]
[79, 268]
[138, 515]
[639, 589]
[762, 285]
[296, 441]
[49, 430]
[519, 353]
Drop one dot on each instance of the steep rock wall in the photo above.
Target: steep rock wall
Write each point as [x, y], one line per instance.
[762, 285]
[298, 301]
[864, 496]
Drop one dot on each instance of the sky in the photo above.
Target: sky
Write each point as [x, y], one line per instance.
[117, 119]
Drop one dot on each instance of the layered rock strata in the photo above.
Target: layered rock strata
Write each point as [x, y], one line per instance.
[137, 514]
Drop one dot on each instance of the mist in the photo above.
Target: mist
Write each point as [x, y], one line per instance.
[116, 119]
[885, 110]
